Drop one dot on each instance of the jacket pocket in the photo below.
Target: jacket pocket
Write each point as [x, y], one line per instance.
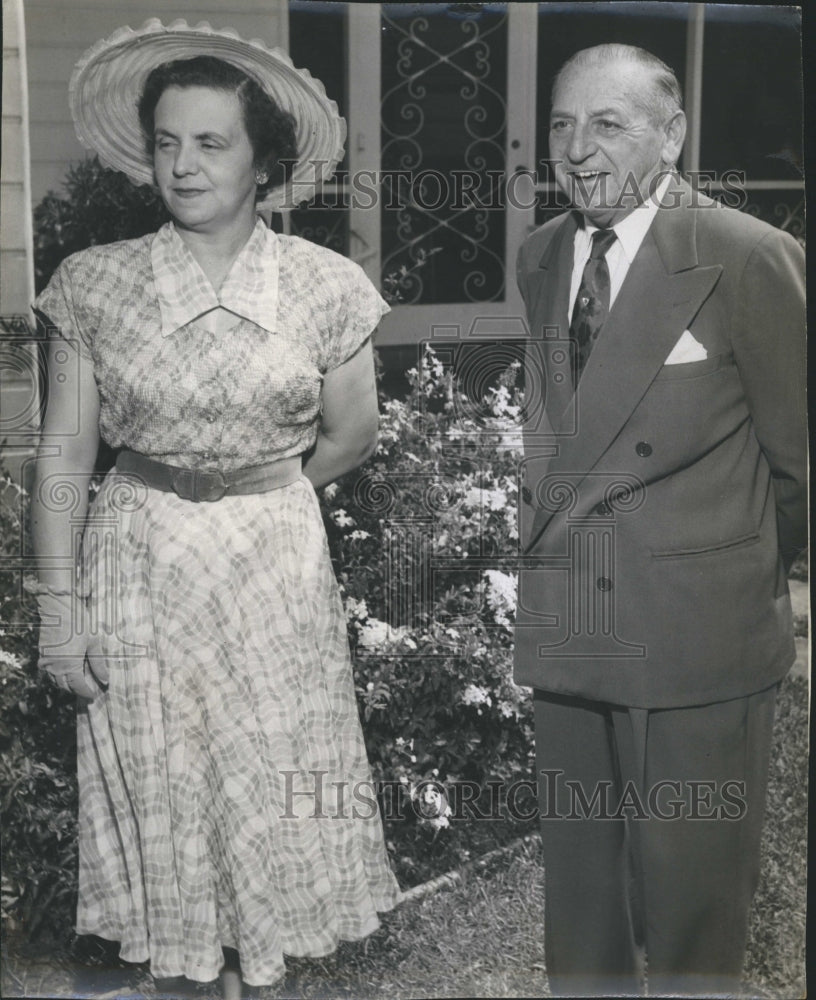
[690, 369]
[741, 541]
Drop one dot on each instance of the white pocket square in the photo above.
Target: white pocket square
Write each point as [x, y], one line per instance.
[686, 349]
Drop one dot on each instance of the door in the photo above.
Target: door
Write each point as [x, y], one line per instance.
[435, 195]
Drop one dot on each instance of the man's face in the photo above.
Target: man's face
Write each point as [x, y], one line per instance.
[607, 149]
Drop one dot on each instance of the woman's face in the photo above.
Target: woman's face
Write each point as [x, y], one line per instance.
[203, 159]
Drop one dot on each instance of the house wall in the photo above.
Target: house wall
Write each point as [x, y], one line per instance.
[19, 381]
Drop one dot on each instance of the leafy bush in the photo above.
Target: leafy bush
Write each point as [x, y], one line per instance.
[100, 206]
[424, 538]
[38, 789]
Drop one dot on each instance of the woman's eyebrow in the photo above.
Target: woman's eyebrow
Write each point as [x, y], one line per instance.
[198, 135]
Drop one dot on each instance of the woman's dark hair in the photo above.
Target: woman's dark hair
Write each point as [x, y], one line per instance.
[271, 130]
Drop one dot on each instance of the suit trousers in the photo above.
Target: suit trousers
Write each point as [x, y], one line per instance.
[651, 825]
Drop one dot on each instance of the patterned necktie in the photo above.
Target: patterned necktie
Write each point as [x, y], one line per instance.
[592, 302]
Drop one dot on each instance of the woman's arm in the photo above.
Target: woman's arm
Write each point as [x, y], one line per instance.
[348, 429]
[65, 461]
[59, 505]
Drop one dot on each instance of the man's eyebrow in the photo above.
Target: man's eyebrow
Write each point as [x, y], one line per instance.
[602, 112]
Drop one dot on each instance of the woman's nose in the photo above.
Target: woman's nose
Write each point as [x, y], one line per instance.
[186, 161]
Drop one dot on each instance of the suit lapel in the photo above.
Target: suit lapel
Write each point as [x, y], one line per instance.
[549, 288]
[661, 294]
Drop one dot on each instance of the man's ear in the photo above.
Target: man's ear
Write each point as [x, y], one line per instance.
[675, 132]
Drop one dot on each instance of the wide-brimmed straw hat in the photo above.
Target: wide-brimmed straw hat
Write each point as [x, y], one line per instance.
[107, 83]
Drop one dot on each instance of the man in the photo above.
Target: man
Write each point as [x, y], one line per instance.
[665, 461]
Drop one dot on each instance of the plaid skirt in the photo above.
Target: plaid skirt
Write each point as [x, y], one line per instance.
[225, 793]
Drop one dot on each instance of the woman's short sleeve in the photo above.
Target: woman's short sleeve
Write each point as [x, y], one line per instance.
[56, 311]
[360, 309]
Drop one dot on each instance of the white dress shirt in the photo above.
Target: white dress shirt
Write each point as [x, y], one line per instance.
[630, 232]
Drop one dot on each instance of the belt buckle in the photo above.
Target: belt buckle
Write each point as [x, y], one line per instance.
[200, 485]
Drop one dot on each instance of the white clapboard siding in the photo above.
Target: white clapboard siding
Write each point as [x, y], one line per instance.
[19, 381]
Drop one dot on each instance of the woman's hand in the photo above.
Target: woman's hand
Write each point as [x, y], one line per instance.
[67, 655]
[348, 429]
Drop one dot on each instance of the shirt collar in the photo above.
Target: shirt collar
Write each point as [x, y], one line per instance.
[632, 229]
[184, 292]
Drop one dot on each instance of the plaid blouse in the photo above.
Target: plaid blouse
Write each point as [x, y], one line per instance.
[171, 387]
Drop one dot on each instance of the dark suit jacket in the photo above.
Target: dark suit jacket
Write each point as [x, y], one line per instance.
[667, 500]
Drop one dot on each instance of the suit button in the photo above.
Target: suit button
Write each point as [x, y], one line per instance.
[603, 583]
[643, 448]
[603, 510]
[526, 494]
[210, 418]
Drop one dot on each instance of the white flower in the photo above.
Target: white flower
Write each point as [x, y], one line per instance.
[476, 695]
[500, 594]
[486, 499]
[330, 491]
[431, 804]
[11, 661]
[356, 610]
[359, 535]
[374, 634]
[341, 518]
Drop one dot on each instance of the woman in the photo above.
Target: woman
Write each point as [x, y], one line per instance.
[225, 798]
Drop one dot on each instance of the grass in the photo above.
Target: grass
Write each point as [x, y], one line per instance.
[481, 936]
[776, 946]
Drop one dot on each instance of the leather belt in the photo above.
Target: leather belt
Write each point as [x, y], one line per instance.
[209, 484]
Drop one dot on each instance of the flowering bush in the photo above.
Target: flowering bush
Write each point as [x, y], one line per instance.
[424, 539]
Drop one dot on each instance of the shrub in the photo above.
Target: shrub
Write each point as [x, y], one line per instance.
[424, 539]
[101, 206]
[38, 789]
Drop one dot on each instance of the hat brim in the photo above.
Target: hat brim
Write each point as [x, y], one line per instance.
[108, 80]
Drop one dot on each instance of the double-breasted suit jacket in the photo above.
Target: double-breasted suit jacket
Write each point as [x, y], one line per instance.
[664, 502]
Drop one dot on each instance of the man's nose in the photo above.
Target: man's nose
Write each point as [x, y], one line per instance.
[581, 144]
[186, 161]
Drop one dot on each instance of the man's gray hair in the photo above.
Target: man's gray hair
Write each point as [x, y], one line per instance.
[663, 99]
